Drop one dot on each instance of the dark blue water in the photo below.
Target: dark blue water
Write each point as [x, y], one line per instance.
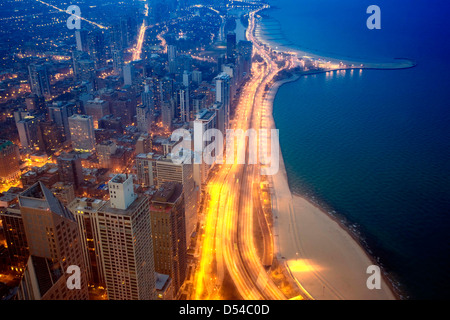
[375, 145]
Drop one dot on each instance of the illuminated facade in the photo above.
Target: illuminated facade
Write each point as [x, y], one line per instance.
[82, 132]
[169, 233]
[126, 243]
[9, 161]
[54, 244]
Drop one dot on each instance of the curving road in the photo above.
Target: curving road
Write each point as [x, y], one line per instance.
[228, 244]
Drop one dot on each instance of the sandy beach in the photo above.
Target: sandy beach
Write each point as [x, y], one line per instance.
[323, 258]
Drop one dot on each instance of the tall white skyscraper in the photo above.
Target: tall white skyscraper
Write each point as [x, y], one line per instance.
[223, 95]
[126, 243]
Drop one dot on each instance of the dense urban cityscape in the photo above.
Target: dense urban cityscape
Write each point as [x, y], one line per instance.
[98, 103]
[87, 176]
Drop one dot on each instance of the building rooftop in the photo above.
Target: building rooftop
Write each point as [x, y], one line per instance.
[127, 212]
[40, 197]
[168, 193]
[162, 280]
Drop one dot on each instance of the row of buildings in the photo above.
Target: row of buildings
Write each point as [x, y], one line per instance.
[132, 245]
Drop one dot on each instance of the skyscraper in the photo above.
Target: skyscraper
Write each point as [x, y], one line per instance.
[54, 245]
[39, 80]
[97, 108]
[15, 237]
[128, 74]
[85, 211]
[51, 135]
[245, 51]
[97, 48]
[126, 243]
[223, 95]
[205, 121]
[82, 132]
[9, 161]
[172, 58]
[117, 57]
[231, 47]
[167, 112]
[168, 232]
[144, 118]
[59, 113]
[28, 129]
[70, 169]
[147, 98]
[197, 77]
[104, 151]
[185, 108]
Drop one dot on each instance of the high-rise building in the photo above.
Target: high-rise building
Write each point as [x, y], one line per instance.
[166, 89]
[187, 78]
[97, 48]
[39, 80]
[70, 169]
[148, 99]
[52, 136]
[205, 121]
[172, 58]
[231, 47]
[167, 112]
[128, 74]
[220, 117]
[155, 170]
[97, 108]
[223, 95]
[59, 113]
[85, 211]
[221, 60]
[82, 132]
[15, 237]
[35, 103]
[116, 37]
[185, 108]
[144, 143]
[54, 245]
[126, 243]
[144, 118]
[65, 192]
[117, 57]
[9, 161]
[197, 77]
[146, 169]
[245, 51]
[168, 232]
[28, 129]
[232, 71]
[104, 151]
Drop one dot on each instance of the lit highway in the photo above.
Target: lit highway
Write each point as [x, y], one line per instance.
[228, 241]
